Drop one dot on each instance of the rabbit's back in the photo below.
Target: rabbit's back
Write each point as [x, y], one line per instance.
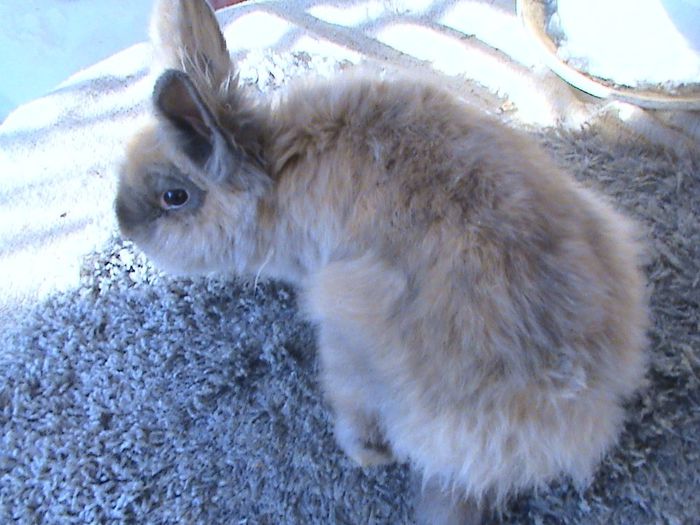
[495, 307]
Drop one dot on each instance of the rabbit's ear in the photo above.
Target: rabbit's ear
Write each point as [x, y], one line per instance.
[198, 134]
[186, 36]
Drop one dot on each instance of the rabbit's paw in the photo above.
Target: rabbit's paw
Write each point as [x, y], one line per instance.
[362, 441]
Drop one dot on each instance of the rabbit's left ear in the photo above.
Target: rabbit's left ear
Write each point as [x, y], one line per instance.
[196, 130]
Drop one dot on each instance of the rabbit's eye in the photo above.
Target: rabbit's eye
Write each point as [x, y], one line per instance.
[174, 198]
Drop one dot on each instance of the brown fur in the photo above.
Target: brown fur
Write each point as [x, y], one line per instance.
[481, 315]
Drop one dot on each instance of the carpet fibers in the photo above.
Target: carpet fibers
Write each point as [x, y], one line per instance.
[142, 398]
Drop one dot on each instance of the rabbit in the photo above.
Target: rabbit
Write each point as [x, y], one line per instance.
[481, 316]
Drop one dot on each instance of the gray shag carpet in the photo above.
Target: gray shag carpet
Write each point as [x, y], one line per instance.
[141, 398]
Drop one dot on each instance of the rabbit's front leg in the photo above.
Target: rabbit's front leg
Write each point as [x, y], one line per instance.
[352, 301]
[347, 384]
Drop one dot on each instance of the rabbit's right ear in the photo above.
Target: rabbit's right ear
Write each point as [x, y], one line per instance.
[197, 133]
[186, 36]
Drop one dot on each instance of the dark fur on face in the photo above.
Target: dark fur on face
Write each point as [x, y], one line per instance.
[139, 205]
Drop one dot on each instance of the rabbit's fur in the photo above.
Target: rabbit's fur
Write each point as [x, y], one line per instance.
[481, 315]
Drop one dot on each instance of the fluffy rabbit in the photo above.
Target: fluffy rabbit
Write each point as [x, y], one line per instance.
[481, 316]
